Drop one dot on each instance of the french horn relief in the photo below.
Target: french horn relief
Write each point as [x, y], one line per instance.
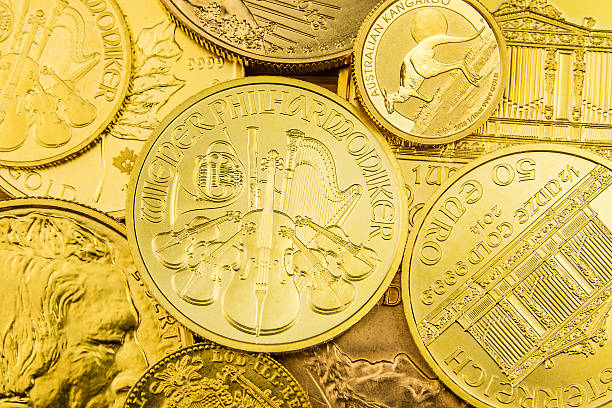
[287, 248]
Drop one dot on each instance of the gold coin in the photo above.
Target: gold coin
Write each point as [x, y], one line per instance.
[507, 279]
[300, 35]
[382, 366]
[168, 68]
[78, 327]
[430, 74]
[64, 73]
[211, 376]
[266, 214]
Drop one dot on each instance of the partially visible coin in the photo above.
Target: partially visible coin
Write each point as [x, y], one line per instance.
[374, 364]
[266, 214]
[507, 281]
[430, 73]
[64, 73]
[296, 35]
[77, 324]
[168, 68]
[211, 376]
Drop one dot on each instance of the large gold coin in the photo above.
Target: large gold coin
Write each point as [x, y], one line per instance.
[297, 35]
[266, 214]
[430, 73]
[168, 68]
[64, 73]
[78, 327]
[507, 279]
[211, 376]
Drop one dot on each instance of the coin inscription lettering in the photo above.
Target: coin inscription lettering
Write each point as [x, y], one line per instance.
[527, 288]
[245, 212]
[208, 375]
[430, 73]
[64, 73]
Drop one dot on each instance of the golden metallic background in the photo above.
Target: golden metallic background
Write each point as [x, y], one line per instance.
[575, 11]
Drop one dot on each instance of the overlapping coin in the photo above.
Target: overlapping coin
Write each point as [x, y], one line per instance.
[301, 35]
[430, 73]
[266, 214]
[64, 74]
[207, 375]
[507, 280]
[78, 327]
[168, 67]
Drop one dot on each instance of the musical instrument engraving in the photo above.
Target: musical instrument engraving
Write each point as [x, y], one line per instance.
[298, 253]
[64, 72]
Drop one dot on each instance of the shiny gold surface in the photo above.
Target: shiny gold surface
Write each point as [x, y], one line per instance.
[266, 214]
[279, 35]
[508, 279]
[64, 73]
[211, 376]
[373, 364]
[430, 74]
[168, 68]
[78, 327]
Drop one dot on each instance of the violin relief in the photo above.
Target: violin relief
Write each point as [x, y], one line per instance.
[64, 72]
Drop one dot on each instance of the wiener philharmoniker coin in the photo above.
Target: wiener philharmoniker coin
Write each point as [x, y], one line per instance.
[507, 280]
[64, 73]
[430, 73]
[78, 326]
[266, 214]
[168, 68]
[297, 35]
[211, 376]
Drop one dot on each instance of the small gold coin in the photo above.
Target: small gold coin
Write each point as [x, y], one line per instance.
[168, 68]
[507, 281]
[211, 376]
[296, 35]
[64, 73]
[266, 214]
[78, 327]
[430, 73]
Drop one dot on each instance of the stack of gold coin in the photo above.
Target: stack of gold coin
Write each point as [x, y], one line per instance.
[208, 203]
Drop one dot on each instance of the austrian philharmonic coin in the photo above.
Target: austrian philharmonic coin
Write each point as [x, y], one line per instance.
[211, 376]
[507, 283]
[430, 73]
[64, 73]
[168, 68]
[301, 35]
[266, 214]
[78, 327]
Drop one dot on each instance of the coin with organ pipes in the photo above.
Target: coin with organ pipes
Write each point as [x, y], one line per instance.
[266, 214]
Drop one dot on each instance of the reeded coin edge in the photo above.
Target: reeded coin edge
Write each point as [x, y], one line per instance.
[380, 120]
[131, 397]
[428, 207]
[104, 127]
[280, 65]
[193, 326]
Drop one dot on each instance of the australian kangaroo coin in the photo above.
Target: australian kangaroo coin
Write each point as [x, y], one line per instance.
[430, 73]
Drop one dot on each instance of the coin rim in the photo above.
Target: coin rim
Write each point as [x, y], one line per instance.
[114, 114]
[405, 281]
[401, 212]
[279, 65]
[150, 371]
[385, 124]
